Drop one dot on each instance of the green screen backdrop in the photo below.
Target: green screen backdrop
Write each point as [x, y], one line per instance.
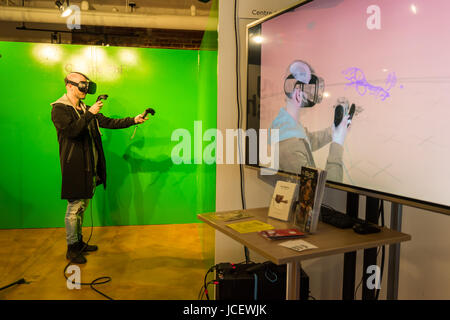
[144, 185]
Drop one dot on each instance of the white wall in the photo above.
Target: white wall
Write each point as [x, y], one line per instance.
[425, 260]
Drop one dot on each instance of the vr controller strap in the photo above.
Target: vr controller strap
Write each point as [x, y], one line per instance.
[134, 132]
[143, 115]
[135, 128]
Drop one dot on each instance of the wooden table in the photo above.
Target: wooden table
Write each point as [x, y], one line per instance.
[329, 240]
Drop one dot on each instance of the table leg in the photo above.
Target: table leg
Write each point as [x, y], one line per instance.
[293, 281]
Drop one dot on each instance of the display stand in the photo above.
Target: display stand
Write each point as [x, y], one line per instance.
[394, 253]
[348, 283]
[370, 255]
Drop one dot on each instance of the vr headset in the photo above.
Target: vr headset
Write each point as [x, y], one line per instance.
[313, 89]
[88, 86]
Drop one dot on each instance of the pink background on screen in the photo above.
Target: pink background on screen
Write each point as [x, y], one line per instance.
[400, 145]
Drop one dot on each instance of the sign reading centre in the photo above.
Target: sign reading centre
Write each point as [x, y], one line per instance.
[256, 9]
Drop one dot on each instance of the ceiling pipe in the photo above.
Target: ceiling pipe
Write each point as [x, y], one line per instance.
[131, 20]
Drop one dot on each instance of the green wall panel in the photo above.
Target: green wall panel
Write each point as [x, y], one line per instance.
[144, 186]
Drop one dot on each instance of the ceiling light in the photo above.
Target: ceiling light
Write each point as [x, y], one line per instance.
[66, 13]
[47, 53]
[65, 9]
[258, 39]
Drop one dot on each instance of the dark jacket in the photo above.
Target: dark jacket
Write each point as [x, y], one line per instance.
[76, 154]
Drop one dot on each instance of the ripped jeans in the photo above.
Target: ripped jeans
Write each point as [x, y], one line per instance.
[74, 219]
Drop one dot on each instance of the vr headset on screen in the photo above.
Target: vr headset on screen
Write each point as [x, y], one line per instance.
[88, 86]
[313, 89]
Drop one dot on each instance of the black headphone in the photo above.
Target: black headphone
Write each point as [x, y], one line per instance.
[87, 86]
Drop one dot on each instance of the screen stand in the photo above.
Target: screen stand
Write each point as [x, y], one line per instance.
[348, 283]
[394, 253]
[370, 255]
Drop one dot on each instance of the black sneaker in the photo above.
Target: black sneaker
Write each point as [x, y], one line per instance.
[74, 255]
[86, 247]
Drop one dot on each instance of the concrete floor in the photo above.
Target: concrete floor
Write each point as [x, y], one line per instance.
[157, 262]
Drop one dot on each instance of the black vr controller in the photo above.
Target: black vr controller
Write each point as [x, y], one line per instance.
[339, 114]
[147, 111]
[103, 96]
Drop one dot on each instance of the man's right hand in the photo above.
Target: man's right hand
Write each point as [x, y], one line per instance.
[95, 108]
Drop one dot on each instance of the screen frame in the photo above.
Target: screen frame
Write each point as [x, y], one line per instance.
[395, 198]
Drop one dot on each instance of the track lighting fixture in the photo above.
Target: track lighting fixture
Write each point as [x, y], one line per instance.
[64, 7]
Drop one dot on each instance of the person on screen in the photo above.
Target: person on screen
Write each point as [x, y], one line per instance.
[83, 165]
[304, 89]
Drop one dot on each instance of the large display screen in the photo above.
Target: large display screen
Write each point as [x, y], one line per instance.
[390, 60]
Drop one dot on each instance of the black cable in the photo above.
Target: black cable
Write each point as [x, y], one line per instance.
[20, 281]
[205, 285]
[98, 281]
[383, 253]
[362, 278]
[200, 292]
[201, 298]
[238, 100]
[205, 289]
[204, 281]
[356, 290]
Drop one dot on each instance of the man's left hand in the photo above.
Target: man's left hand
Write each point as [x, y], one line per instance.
[340, 132]
[139, 119]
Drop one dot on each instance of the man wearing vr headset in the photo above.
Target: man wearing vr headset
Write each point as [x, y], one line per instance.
[304, 89]
[82, 160]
